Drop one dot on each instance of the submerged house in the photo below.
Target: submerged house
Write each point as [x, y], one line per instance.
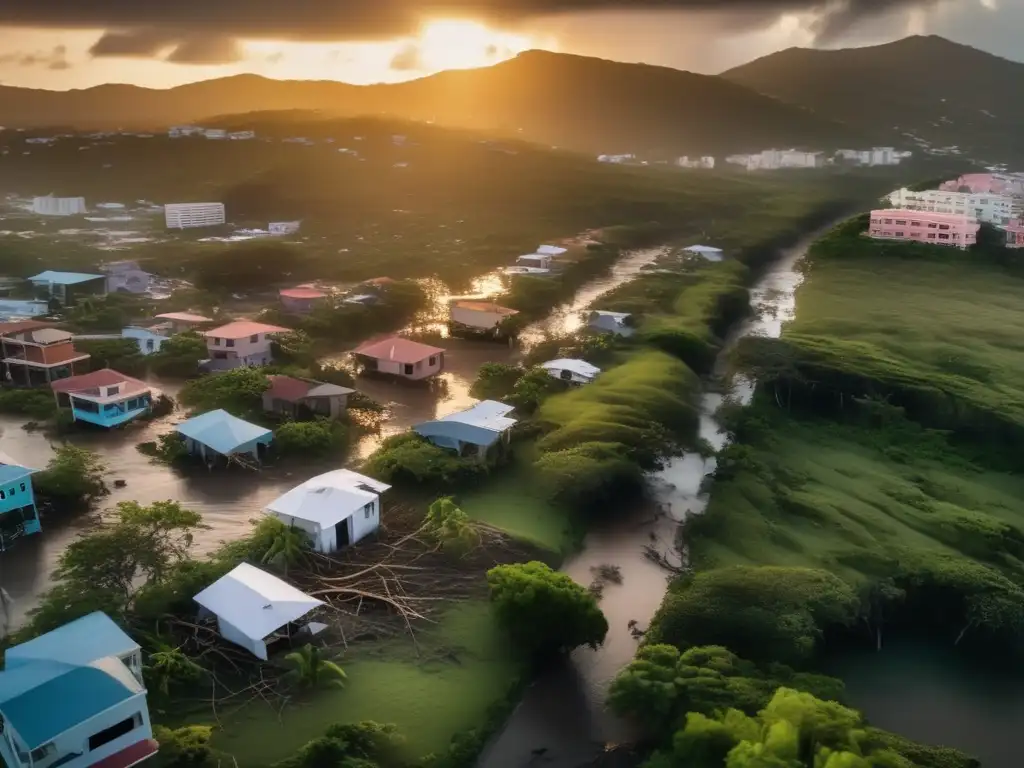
[35, 353]
[239, 343]
[534, 261]
[706, 252]
[18, 513]
[551, 250]
[152, 337]
[256, 610]
[105, 398]
[218, 433]
[74, 698]
[335, 509]
[474, 431]
[404, 358]
[301, 300]
[572, 371]
[305, 398]
[68, 287]
[478, 316]
[126, 277]
[619, 323]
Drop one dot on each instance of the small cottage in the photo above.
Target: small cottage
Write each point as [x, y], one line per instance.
[74, 697]
[619, 323]
[334, 509]
[572, 371]
[126, 277]
[181, 322]
[478, 316]
[551, 250]
[68, 287]
[105, 398]
[534, 260]
[305, 398]
[402, 358]
[219, 434]
[256, 610]
[18, 513]
[35, 353]
[474, 430]
[301, 300]
[242, 342]
[706, 252]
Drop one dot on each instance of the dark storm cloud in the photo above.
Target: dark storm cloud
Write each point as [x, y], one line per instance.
[182, 21]
[55, 58]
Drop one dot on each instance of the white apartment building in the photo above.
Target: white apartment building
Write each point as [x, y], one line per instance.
[58, 206]
[190, 215]
[215, 133]
[697, 162]
[616, 158]
[774, 159]
[178, 131]
[990, 209]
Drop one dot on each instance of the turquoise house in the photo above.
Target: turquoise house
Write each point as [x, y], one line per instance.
[219, 434]
[74, 698]
[105, 398]
[68, 287]
[18, 513]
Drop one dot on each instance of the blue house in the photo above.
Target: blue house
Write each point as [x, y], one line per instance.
[105, 398]
[74, 698]
[474, 430]
[18, 514]
[218, 433]
[68, 287]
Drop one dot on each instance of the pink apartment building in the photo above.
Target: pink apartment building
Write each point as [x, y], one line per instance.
[923, 227]
[1014, 234]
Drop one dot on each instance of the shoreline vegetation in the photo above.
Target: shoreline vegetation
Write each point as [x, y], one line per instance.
[447, 682]
[867, 489]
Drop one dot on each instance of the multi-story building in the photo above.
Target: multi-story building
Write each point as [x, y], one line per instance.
[987, 208]
[34, 354]
[1014, 234]
[949, 229]
[190, 215]
[58, 206]
[986, 184]
[239, 343]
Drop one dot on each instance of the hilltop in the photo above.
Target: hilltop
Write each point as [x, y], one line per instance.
[943, 92]
[574, 102]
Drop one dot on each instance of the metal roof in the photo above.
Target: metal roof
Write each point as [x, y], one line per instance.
[64, 278]
[329, 498]
[255, 602]
[239, 329]
[482, 424]
[94, 636]
[397, 349]
[222, 432]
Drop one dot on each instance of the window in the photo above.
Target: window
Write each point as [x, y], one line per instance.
[230, 342]
[915, 223]
[114, 389]
[888, 221]
[432, 361]
[932, 225]
[899, 234]
[408, 369]
[115, 731]
[216, 342]
[23, 486]
[901, 221]
[943, 226]
[3, 495]
[254, 338]
[368, 511]
[943, 237]
[931, 235]
[10, 491]
[149, 344]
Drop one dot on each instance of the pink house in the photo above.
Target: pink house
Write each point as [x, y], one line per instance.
[948, 229]
[400, 357]
[241, 342]
[1014, 234]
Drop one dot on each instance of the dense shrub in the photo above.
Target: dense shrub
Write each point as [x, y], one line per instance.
[120, 354]
[179, 355]
[37, 404]
[589, 474]
[238, 391]
[310, 439]
[408, 459]
[72, 480]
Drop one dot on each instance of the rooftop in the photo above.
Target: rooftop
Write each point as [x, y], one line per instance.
[94, 636]
[64, 278]
[185, 317]
[329, 498]
[579, 367]
[11, 470]
[481, 424]
[255, 602]
[397, 349]
[22, 325]
[302, 293]
[240, 329]
[221, 431]
[90, 383]
[486, 306]
[291, 389]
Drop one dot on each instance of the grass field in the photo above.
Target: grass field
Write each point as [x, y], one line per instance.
[836, 497]
[464, 668]
[949, 325]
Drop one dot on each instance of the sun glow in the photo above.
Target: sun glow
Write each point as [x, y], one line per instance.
[463, 44]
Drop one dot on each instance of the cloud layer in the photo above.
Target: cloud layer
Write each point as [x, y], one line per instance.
[205, 31]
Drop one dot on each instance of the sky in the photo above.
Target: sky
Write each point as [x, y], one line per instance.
[62, 44]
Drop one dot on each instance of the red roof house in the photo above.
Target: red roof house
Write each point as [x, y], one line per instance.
[397, 356]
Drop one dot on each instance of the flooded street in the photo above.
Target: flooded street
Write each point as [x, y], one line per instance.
[562, 720]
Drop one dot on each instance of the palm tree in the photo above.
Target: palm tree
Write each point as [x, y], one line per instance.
[168, 666]
[288, 547]
[312, 670]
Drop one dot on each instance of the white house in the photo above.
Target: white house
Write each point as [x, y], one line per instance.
[189, 215]
[335, 509]
[284, 227]
[619, 323]
[215, 133]
[74, 698]
[241, 135]
[241, 342]
[478, 315]
[534, 260]
[58, 206]
[255, 609]
[706, 252]
[572, 371]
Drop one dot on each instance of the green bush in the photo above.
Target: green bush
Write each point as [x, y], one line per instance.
[310, 439]
[408, 459]
[72, 480]
[589, 474]
[37, 404]
[122, 355]
[185, 747]
[179, 355]
[238, 391]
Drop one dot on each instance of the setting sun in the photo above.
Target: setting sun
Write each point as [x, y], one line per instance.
[460, 44]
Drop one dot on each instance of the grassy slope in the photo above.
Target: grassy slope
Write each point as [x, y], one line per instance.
[950, 325]
[464, 668]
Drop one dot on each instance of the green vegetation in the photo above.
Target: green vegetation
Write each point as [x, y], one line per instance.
[120, 354]
[37, 404]
[410, 460]
[238, 391]
[71, 481]
[311, 439]
[179, 355]
[545, 612]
